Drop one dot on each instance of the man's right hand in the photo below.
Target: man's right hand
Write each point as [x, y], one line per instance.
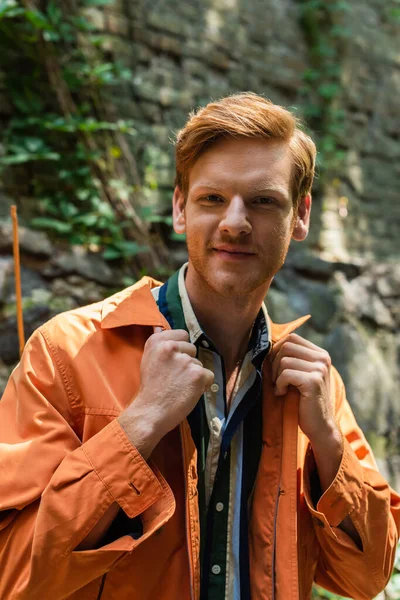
[172, 382]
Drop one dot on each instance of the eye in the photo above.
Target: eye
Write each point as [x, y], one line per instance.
[264, 200]
[213, 199]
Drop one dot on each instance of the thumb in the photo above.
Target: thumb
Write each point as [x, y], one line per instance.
[157, 329]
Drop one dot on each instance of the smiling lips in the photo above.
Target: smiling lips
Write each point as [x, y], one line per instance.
[233, 252]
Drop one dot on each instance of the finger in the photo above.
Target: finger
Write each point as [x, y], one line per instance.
[186, 348]
[304, 382]
[209, 379]
[294, 351]
[157, 329]
[297, 364]
[196, 361]
[173, 334]
[294, 339]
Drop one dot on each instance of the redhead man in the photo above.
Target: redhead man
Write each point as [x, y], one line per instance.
[171, 442]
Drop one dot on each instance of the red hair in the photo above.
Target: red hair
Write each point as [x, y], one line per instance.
[247, 115]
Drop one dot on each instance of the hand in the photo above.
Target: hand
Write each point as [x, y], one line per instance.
[172, 382]
[298, 362]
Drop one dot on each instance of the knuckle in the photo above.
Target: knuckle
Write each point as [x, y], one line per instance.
[323, 369]
[316, 378]
[170, 346]
[327, 359]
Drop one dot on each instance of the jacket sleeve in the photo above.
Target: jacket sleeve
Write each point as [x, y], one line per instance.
[358, 491]
[54, 489]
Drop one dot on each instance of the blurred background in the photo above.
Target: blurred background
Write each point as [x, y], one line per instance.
[92, 93]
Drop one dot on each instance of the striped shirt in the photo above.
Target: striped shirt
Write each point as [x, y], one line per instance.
[228, 442]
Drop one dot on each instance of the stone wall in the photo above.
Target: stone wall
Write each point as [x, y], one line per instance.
[182, 55]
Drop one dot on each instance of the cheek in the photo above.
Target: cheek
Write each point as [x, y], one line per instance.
[281, 232]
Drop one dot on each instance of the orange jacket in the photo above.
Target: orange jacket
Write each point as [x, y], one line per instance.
[64, 459]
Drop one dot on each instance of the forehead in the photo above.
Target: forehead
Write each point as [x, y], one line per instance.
[243, 161]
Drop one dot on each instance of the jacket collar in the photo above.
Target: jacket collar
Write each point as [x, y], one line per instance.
[135, 305]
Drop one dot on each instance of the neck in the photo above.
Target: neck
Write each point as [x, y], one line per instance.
[227, 320]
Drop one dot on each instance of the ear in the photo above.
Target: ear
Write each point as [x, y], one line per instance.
[178, 211]
[302, 220]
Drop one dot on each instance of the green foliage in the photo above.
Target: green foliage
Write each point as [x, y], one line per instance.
[69, 155]
[325, 27]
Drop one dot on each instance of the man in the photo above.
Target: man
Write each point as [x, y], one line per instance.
[171, 442]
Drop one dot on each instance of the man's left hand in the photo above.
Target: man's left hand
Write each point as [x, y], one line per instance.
[302, 364]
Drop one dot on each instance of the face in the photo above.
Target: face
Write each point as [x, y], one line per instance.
[238, 217]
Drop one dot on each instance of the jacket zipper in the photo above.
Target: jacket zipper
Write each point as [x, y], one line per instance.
[103, 580]
[188, 534]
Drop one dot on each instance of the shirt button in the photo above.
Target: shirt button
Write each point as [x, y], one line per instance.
[219, 506]
[215, 387]
[216, 569]
[205, 344]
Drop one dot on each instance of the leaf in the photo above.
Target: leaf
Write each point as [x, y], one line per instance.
[82, 24]
[96, 2]
[115, 152]
[38, 19]
[34, 144]
[111, 253]
[89, 219]
[54, 13]
[9, 9]
[54, 224]
[83, 194]
[24, 157]
[129, 248]
[159, 219]
[51, 36]
[177, 237]
[328, 90]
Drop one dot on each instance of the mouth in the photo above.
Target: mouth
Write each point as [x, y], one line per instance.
[233, 253]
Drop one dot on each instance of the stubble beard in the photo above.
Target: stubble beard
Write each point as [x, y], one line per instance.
[239, 284]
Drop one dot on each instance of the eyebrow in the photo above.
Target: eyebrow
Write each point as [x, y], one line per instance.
[257, 188]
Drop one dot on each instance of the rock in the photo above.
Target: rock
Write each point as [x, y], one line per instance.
[310, 297]
[5, 201]
[360, 298]
[79, 289]
[352, 268]
[30, 241]
[388, 284]
[279, 308]
[5, 372]
[30, 280]
[310, 265]
[6, 266]
[368, 366]
[95, 17]
[9, 344]
[79, 261]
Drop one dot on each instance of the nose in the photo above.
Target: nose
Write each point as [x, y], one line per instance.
[235, 220]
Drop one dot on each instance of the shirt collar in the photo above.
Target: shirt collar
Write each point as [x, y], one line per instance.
[260, 337]
[136, 305]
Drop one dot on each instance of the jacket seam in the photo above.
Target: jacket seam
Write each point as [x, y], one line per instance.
[75, 406]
